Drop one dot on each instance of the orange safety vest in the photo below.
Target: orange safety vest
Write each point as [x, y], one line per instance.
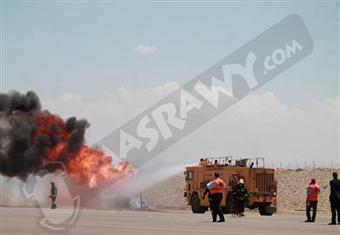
[313, 192]
[219, 186]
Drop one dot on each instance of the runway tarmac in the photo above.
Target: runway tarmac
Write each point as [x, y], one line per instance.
[16, 220]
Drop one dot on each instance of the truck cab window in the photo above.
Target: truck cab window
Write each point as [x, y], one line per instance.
[189, 175]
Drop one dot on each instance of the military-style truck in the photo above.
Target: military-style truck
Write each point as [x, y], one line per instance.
[259, 181]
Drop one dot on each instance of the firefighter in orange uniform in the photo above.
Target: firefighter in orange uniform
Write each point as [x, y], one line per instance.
[216, 188]
[313, 191]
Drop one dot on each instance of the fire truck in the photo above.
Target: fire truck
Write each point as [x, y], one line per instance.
[260, 183]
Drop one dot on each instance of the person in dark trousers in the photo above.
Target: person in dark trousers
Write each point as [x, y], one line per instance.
[334, 198]
[207, 191]
[313, 191]
[53, 196]
[241, 195]
[216, 188]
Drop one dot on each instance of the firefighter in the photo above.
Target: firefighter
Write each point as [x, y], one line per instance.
[241, 195]
[334, 198]
[313, 191]
[53, 196]
[203, 162]
[216, 188]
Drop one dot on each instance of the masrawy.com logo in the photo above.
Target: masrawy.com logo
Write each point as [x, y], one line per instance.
[211, 92]
[37, 187]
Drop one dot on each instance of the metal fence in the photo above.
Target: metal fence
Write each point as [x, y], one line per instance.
[303, 164]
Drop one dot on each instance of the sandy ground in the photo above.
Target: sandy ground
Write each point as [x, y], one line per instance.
[292, 188]
[26, 221]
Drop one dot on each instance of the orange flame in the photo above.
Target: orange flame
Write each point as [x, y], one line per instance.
[44, 123]
[95, 167]
[88, 166]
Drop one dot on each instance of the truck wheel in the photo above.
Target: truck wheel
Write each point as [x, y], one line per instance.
[196, 205]
[263, 209]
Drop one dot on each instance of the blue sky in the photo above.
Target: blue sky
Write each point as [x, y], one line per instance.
[87, 48]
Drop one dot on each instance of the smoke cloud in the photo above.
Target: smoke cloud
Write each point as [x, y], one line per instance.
[28, 134]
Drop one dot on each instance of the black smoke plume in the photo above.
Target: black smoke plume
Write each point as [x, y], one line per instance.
[19, 154]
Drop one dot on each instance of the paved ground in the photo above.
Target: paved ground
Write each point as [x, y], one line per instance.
[25, 221]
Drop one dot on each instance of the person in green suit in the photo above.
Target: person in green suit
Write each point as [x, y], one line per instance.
[53, 196]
